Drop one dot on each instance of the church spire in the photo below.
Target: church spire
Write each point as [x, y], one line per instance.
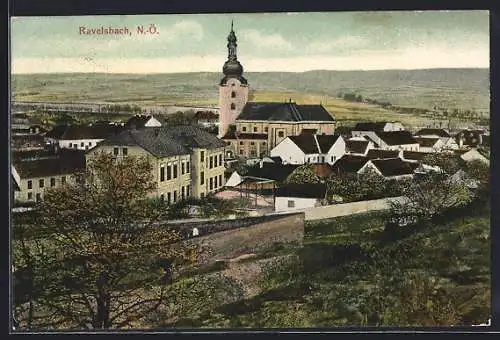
[231, 44]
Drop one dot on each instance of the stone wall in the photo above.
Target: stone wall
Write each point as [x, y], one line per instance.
[232, 238]
[335, 210]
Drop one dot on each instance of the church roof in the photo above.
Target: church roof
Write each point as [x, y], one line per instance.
[273, 111]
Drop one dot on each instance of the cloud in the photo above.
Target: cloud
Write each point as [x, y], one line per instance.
[265, 41]
[412, 58]
[325, 45]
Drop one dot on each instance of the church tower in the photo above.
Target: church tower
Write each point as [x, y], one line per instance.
[233, 88]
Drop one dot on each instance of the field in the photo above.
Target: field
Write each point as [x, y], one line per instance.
[347, 274]
[451, 88]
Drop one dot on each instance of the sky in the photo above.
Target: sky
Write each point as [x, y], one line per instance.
[294, 42]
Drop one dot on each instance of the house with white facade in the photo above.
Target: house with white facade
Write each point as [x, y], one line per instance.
[293, 197]
[310, 149]
[81, 137]
[360, 128]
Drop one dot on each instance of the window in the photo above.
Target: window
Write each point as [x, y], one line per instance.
[183, 168]
[233, 107]
[244, 128]
[90, 143]
[211, 183]
[75, 146]
[253, 153]
[202, 178]
[115, 151]
[264, 143]
[241, 152]
[175, 196]
[162, 173]
[333, 159]
[255, 129]
[175, 170]
[211, 162]
[265, 129]
[162, 197]
[241, 143]
[187, 167]
[52, 182]
[169, 198]
[41, 183]
[188, 190]
[70, 145]
[125, 151]
[63, 179]
[82, 144]
[169, 172]
[233, 94]
[220, 180]
[252, 143]
[215, 180]
[30, 184]
[183, 192]
[281, 134]
[202, 156]
[291, 204]
[38, 197]
[30, 195]
[220, 160]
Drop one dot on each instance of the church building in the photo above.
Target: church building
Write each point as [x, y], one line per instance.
[252, 129]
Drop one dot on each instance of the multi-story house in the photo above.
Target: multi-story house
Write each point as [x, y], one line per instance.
[187, 161]
[37, 171]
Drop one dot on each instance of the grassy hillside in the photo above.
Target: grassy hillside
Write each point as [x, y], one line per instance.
[346, 276]
[453, 88]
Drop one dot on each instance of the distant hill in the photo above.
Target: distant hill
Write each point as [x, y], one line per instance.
[450, 88]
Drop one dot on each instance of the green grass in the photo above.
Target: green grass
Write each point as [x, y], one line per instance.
[345, 273]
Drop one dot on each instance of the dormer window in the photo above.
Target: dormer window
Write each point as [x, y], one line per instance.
[233, 107]
[233, 94]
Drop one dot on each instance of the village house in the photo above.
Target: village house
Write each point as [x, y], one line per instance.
[472, 154]
[291, 197]
[37, 171]
[187, 161]
[358, 146]
[270, 174]
[360, 129]
[349, 164]
[414, 156]
[81, 137]
[385, 135]
[390, 168]
[206, 119]
[383, 154]
[310, 149]
[432, 133]
[252, 129]
[142, 121]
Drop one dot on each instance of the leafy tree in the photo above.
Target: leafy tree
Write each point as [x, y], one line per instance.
[107, 263]
[431, 196]
[448, 163]
[478, 170]
[303, 174]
